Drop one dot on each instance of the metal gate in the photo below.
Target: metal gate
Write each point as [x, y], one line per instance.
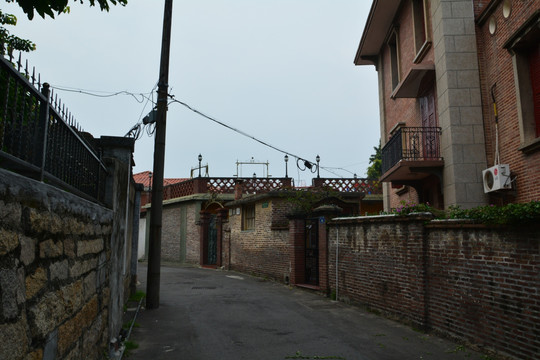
[212, 241]
[312, 251]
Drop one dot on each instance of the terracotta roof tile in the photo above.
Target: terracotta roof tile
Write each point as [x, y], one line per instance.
[144, 178]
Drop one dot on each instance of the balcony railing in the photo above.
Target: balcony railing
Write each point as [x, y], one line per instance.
[411, 144]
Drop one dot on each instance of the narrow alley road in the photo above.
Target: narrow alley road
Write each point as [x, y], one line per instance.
[212, 314]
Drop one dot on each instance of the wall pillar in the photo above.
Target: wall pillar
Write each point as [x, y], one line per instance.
[222, 218]
[297, 250]
[459, 102]
[325, 214]
[117, 155]
[204, 220]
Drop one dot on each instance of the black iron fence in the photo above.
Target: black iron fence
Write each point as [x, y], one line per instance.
[39, 138]
[411, 144]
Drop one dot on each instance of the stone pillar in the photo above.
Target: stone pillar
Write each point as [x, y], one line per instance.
[459, 103]
[117, 155]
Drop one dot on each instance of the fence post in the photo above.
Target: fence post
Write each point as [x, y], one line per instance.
[44, 124]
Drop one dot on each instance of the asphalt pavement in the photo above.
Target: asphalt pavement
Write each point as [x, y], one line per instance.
[213, 314]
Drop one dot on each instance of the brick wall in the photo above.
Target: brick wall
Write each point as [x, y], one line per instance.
[55, 252]
[380, 263]
[401, 109]
[472, 283]
[484, 286]
[262, 251]
[496, 68]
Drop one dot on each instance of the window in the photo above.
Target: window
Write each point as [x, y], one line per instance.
[248, 217]
[421, 39]
[394, 58]
[525, 50]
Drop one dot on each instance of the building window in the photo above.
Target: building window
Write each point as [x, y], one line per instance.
[393, 42]
[421, 38]
[525, 50]
[248, 217]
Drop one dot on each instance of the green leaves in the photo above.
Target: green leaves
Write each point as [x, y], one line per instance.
[11, 41]
[374, 170]
[52, 7]
[511, 214]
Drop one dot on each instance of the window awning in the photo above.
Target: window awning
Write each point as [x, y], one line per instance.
[418, 79]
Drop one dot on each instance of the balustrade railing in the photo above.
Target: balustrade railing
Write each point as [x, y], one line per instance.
[204, 185]
[411, 144]
[366, 186]
[40, 139]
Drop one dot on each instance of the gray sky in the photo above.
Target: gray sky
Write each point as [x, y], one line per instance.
[280, 70]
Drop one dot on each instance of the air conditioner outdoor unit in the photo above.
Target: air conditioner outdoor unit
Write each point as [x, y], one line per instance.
[497, 178]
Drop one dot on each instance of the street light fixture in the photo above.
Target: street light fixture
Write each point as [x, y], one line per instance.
[286, 170]
[318, 158]
[200, 159]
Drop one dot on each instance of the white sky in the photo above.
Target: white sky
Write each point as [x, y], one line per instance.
[280, 70]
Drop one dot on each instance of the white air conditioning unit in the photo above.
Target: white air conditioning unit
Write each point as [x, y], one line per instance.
[497, 178]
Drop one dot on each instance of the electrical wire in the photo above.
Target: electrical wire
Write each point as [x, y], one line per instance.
[298, 158]
[105, 94]
[136, 130]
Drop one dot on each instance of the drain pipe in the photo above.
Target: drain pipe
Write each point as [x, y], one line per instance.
[337, 263]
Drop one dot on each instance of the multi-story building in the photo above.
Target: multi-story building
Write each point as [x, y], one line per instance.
[458, 87]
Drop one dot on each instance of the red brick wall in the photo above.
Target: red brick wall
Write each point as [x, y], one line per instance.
[484, 287]
[380, 263]
[403, 110]
[496, 68]
[476, 284]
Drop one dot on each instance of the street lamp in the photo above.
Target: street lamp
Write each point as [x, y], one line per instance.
[318, 158]
[286, 170]
[200, 159]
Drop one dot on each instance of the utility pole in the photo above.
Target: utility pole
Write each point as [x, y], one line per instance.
[154, 251]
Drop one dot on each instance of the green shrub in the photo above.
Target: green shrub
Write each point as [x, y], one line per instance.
[511, 214]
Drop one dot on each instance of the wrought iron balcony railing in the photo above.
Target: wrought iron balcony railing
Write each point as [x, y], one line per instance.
[411, 144]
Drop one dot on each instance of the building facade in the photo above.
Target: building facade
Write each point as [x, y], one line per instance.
[437, 63]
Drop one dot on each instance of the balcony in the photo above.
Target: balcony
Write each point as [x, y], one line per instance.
[412, 154]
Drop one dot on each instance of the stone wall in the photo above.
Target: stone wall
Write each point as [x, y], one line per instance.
[54, 272]
[473, 283]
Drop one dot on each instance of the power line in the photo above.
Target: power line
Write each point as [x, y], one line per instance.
[105, 94]
[249, 136]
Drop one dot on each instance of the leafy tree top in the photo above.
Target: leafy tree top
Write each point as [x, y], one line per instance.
[50, 7]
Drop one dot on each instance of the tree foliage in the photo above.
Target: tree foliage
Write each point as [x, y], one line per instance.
[13, 42]
[49, 7]
[374, 171]
[44, 8]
